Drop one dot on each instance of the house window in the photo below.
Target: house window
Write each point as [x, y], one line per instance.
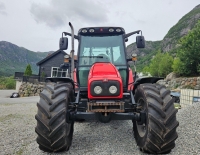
[56, 72]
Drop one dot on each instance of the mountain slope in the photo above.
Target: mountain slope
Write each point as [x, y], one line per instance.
[15, 59]
[144, 55]
[169, 42]
[185, 24]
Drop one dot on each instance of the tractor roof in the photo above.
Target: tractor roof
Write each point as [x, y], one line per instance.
[101, 31]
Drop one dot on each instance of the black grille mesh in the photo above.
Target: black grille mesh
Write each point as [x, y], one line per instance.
[105, 87]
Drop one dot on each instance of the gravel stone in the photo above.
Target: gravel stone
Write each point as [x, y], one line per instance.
[17, 133]
[188, 141]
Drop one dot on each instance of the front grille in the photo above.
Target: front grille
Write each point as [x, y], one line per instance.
[106, 106]
[105, 87]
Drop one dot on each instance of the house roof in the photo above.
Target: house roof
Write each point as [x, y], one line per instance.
[52, 55]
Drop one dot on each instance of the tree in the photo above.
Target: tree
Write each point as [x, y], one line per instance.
[154, 65]
[189, 53]
[145, 71]
[161, 64]
[177, 66]
[28, 71]
[165, 66]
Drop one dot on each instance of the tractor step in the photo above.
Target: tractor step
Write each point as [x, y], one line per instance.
[106, 106]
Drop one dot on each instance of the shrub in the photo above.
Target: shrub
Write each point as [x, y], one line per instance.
[161, 64]
[7, 83]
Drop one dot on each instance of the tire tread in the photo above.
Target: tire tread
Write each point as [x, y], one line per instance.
[161, 128]
[51, 126]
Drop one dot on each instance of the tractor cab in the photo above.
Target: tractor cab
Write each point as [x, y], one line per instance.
[101, 44]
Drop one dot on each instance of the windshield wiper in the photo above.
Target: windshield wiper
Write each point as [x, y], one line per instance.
[91, 56]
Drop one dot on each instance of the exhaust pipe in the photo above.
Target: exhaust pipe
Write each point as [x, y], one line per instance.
[72, 51]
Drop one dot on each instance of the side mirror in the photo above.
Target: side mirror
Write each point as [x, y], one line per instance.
[63, 44]
[140, 41]
[126, 39]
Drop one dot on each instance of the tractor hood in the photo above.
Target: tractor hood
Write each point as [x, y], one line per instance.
[104, 69]
[104, 75]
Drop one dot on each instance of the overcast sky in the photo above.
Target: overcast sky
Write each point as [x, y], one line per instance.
[37, 24]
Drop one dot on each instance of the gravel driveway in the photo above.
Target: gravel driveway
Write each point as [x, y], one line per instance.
[17, 135]
[5, 98]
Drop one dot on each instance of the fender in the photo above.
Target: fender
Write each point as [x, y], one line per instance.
[145, 80]
[60, 79]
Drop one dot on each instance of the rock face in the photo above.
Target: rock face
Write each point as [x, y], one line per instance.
[181, 82]
[144, 55]
[184, 25]
[150, 46]
[171, 76]
[30, 89]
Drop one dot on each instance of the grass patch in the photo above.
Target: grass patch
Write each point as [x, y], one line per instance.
[7, 82]
[20, 151]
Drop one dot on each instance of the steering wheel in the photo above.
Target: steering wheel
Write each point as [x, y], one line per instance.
[102, 58]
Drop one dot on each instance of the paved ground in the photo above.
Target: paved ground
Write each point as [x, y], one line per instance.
[6, 93]
[5, 98]
[17, 132]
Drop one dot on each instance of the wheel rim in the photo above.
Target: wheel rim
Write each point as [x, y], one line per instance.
[141, 128]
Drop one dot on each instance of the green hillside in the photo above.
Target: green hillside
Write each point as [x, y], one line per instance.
[144, 55]
[15, 59]
[169, 42]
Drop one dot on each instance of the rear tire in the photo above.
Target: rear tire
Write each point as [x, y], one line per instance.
[158, 133]
[54, 133]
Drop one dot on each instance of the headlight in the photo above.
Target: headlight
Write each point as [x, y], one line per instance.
[91, 30]
[97, 90]
[84, 30]
[113, 89]
[111, 30]
[118, 30]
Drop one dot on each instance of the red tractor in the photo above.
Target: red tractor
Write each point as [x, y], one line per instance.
[103, 87]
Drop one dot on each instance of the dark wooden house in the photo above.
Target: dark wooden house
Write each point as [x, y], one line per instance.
[50, 66]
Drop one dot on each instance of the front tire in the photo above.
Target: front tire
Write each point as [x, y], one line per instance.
[54, 133]
[158, 133]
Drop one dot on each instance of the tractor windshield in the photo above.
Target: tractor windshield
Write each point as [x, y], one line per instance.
[102, 49]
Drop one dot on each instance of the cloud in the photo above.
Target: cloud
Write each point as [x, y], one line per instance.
[2, 8]
[59, 12]
[47, 15]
